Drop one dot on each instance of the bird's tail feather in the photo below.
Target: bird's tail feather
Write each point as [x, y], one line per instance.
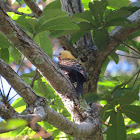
[79, 89]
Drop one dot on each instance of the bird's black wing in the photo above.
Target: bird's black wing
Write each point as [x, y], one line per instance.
[69, 65]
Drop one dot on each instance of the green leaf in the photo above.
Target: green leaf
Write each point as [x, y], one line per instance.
[4, 54]
[91, 97]
[4, 43]
[135, 44]
[26, 10]
[13, 15]
[87, 15]
[27, 24]
[117, 4]
[106, 112]
[108, 83]
[69, 26]
[15, 123]
[86, 26]
[100, 38]
[76, 36]
[116, 130]
[116, 14]
[61, 23]
[49, 15]
[132, 111]
[105, 64]
[2, 125]
[43, 41]
[44, 89]
[126, 95]
[123, 48]
[15, 54]
[85, 3]
[120, 22]
[133, 35]
[113, 56]
[98, 8]
[19, 105]
[53, 5]
[60, 33]
[28, 75]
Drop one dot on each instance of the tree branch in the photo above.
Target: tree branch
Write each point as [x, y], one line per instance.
[32, 120]
[83, 130]
[17, 83]
[34, 78]
[42, 61]
[121, 33]
[34, 7]
[63, 123]
[9, 9]
[128, 56]
[54, 76]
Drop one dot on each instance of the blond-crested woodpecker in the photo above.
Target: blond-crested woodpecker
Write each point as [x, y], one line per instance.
[73, 70]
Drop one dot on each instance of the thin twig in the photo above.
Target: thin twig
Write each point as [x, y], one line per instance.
[17, 72]
[128, 56]
[132, 77]
[20, 64]
[34, 78]
[136, 78]
[126, 45]
[21, 13]
[2, 91]
[134, 43]
[13, 97]
[131, 48]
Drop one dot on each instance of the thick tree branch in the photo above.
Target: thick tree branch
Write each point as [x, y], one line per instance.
[84, 130]
[31, 119]
[9, 9]
[42, 61]
[52, 73]
[120, 34]
[117, 36]
[17, 83]
[85, 42]
[63, 123]
[94, 58]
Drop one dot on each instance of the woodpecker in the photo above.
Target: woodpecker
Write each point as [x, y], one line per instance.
[73, 70]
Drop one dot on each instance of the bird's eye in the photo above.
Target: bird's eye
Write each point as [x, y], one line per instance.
[60, 54]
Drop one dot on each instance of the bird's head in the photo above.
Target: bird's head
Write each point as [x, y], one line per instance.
[66, 55]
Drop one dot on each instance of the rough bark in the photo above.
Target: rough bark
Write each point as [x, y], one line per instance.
[92, 56]
[38, 111]
[34, 7]
[92, 59]
[55, 77]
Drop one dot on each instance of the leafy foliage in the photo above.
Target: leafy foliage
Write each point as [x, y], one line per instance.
[119, 94]
[116, 130]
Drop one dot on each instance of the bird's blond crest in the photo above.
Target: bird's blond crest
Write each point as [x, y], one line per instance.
[66, 55]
